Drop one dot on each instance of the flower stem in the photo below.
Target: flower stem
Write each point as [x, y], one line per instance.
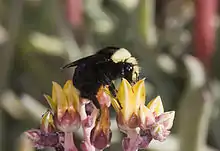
[86, 145]
[134, 141]
[69, 143]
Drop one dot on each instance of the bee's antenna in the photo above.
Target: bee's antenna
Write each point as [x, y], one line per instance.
[64, 67]
[72, 64]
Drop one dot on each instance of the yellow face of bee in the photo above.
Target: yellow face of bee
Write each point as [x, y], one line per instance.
[123, 55]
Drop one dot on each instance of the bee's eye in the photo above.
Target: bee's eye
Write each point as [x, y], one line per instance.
[128, 68]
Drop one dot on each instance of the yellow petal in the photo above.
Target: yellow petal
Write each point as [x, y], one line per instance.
[146, 116]
[72, 96]
[51, 102]
[126, 98]
[47, 120]
[140, 93]
[59, 96]
[156, 106]
[54, 92]
[116, 105]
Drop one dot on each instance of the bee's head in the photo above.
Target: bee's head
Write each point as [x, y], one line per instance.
[130, 69]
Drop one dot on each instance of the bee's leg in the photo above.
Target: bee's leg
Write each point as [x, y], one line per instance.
[97, 105]
[113, 92]
[111, 85]
[112, 89]
[95, 101]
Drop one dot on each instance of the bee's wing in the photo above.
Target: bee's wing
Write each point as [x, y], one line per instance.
[96, 58]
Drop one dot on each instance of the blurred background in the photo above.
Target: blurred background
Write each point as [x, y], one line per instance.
[175, 41]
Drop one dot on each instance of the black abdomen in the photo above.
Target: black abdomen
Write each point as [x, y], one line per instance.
[89, 78]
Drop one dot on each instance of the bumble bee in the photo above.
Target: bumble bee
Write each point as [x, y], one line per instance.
[101, 69]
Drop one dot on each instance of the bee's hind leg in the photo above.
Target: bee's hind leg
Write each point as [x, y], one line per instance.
[95, 102]
[112, 88]
[113, 92]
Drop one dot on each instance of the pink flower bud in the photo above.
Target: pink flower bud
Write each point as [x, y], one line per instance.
[101, 134]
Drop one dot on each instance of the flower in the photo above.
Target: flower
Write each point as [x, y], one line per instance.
[47, 122]
[46, 136]
[42, 140]
[96, 123]
[101, 134]
[127, 104]
[141, 123]
[153, 117]
[65, 106]
[88, 119]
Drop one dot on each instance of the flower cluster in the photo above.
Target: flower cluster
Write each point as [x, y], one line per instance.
[141, 123]
[68, 112]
